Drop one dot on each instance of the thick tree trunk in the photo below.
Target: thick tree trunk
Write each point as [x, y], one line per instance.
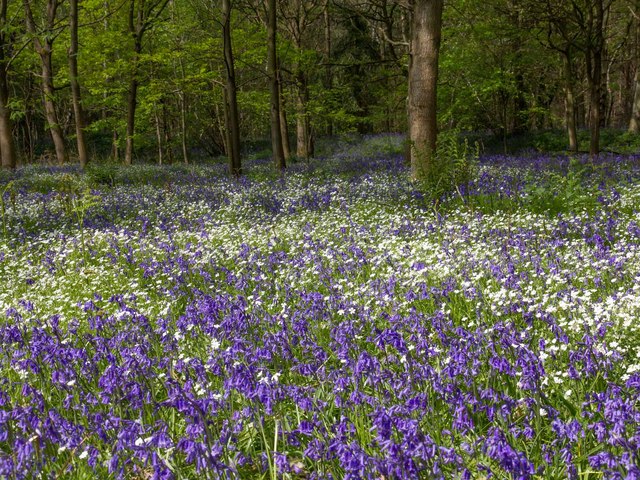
[7, 146]
[423, 81]
[78, 113]
[231, 102]
[272, 69]
[570, 104]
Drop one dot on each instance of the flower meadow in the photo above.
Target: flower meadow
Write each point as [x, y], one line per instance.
[330, 323]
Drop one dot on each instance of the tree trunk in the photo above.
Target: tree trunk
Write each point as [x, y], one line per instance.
[634, 122]
[303, 134]
[328, 74]
[158, 136]
[272, 67]
[284, 125]
[132, 103]
[131, 120]
[183, 128]
[167, 127]
[48, 91]
[570, 104]
[115, 154]
[7, 146]
[44, 49]
[231, 102]
[594, 54]
[423, 81]
[78, 113]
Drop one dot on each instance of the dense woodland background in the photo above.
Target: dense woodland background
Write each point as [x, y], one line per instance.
[147, 79]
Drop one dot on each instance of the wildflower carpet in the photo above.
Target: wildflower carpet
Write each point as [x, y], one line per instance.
[330, 323]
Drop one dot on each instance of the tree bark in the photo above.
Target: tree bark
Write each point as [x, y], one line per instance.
[50, 108]
[593, 56]
[304, 142]
[272, 67]
[7, 146]
[183, 119]
[284, 125]
[44, 49]
[132, 99]
[570, 103]
[132, 103]
[158, 137]
[328, 74]
[231, 101]
[78, 113]
[423, 81]
[141, 17]
[634, 122]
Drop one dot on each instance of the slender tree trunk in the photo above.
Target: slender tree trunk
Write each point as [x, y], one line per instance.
[570, 104]
[302, 120]
[595, 109]
[7, 146]
[183, 119]
[115, 150]
[132, 103]
[78, 113]
[272, 69]
[328, 74]
[231, 102]
[158, 136]
[284, 125]
[594, 54]
[183, 128]
[634, 122]
[168, 140]
[49, 105]
[44, 48]
[423, 81]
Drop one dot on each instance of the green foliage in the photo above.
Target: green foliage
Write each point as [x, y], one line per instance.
[10, 192]
[100, 175]
[44, 182]
[560, 192]
[625, 143]
[454, 165]
[551, 141]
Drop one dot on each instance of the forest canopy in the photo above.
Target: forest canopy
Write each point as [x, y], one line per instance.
[166, 80]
